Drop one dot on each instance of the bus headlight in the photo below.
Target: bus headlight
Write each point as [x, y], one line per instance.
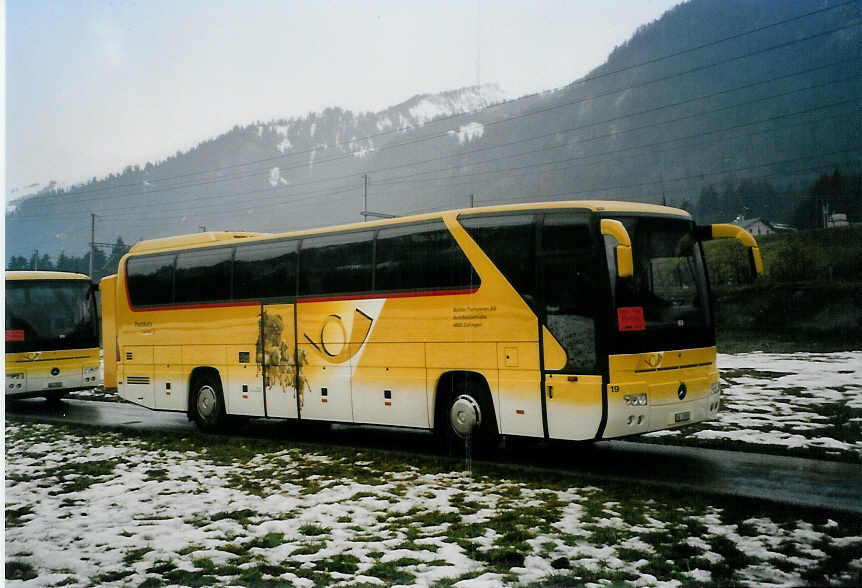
[90, 374]
[15, 381]
[635, 399]
[715, 388]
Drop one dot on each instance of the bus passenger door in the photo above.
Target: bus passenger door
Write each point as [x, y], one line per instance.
[574, 406]
[570, 301]
[573, 396]
[277, 360]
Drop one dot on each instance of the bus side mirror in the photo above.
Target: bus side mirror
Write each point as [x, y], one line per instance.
[727, 231]
[616, 229]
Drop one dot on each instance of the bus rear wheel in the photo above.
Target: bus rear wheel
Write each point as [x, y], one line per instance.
[207, 403]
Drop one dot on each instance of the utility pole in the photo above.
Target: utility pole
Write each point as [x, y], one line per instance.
[661, 177]
[365, 212]
[92, 242]
[364, 197]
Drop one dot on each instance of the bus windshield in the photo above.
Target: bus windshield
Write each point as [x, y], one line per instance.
[665, 304]
[46, 315]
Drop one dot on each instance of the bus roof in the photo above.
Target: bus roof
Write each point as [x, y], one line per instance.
[15, 275]
[214, 238]
[192, 240]
[593, 205]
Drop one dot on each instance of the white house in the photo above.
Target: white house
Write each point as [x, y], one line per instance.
[755, 226]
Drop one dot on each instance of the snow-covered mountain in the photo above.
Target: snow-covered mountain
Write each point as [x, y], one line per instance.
[248, 177]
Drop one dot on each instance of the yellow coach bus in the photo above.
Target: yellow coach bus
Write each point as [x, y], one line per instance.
[52, 334]
[566, 320]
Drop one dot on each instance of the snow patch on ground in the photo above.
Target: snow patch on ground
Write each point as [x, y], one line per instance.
[790, 400]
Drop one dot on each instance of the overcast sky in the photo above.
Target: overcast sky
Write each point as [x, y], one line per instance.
[95, 85]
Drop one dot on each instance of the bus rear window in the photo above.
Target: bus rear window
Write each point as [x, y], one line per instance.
[151, 280]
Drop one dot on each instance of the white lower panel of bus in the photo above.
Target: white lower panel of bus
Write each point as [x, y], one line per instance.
[633, 420]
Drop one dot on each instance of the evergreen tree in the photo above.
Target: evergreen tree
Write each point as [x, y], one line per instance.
[99, 260]
[18, 262]
[707, 206]
[118, 250]
[42, 262]
[64, 263]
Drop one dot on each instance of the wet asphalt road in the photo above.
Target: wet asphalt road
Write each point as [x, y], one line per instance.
[790, 480]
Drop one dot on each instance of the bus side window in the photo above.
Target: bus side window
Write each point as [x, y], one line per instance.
[571, 288]
[420, 257]
[151, 280]
[203, 275]
[265, 270]
[509, 242]
[335, 264]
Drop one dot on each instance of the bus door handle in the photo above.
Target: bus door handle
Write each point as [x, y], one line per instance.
[550, 391]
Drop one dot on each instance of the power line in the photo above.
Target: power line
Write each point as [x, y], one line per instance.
[352, 177]
[507, 172]
[401, 179]
[525, 168]
[581, 193]
[699, 175]
[112, 213]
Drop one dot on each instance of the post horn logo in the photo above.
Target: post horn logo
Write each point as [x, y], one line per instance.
[334, 343]
[682, 391]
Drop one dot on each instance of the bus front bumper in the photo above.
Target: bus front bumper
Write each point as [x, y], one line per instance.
[50, 380]
[633, 414]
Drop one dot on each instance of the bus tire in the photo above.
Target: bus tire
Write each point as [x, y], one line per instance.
[464, 404]
[207, 403]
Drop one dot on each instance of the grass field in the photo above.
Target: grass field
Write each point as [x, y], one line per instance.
[87, 507]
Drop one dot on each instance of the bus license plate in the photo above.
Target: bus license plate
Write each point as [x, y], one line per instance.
[55, 384]
[681, 417]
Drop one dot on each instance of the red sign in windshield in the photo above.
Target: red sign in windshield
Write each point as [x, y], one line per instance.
[14, 335]
[631, 318]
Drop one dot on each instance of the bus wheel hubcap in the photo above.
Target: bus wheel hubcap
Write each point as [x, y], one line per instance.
[465, 415]
[206, 401]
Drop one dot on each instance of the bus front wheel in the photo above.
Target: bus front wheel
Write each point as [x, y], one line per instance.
[207, 405]
[467, 412]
